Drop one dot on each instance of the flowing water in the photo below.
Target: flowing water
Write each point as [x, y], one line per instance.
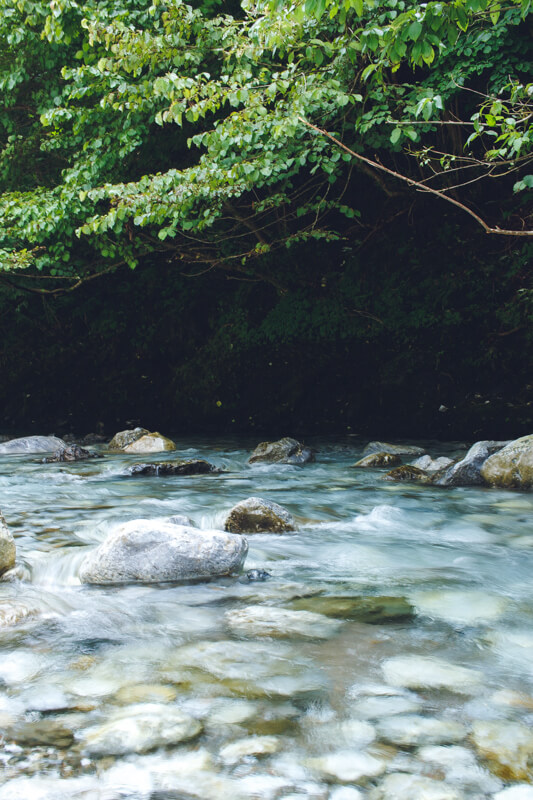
[415, 683]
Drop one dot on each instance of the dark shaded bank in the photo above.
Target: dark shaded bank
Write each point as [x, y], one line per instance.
[425, 331]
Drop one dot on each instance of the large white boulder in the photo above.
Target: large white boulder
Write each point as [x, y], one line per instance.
[32, 444]
[151, 551]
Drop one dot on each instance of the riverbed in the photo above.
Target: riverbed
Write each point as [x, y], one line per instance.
[414, 683]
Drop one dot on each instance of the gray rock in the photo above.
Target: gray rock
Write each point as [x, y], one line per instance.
[139, 729]
[31, 444]
[379, 460]
[284, 451]
[148, 551]
[123, 438]
[70, 453]
[7, 547]
[41, 733]
[193, 467]
[467, 471]
[512, 466]
[256, 515]
[429, 464]
[182, 519]
[394, 449]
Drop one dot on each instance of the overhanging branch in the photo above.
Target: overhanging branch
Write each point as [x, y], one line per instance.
[420, 186]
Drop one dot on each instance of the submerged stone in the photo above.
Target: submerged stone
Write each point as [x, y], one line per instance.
[280, 623]
[412, 729]
[139, 729]
[284, 451]
[348, 766]
[250, 746]
[460, 607]
[145, 551]
[402, 786]
[150, 443]
[163, 468]
[256, 515]
[507, 746]
[40, 733]
[378, 460]
[421, 672]
[7, 547]
[373, 610]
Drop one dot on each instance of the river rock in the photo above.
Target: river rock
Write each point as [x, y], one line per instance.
[146, 551]
[7, 547]
[379, 460]
[150, 443]
[281, 623]
[32, 444]
[402, 786]
[139, 729]
[427, 672]
[512, 466]
[467, 471]
[250, 746]
[163, 468]
[348, 766]
[429, 464]
[407, 473]
[412, 730]
[256, 515]
[385, 706]
[71, 452]
[472, 607]
[393, 449]
[11, 613]
[373, 610]
[284, 451]
[123, 438]
[46, 732]
[507, 746]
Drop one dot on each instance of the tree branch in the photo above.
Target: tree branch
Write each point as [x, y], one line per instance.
[420, 186]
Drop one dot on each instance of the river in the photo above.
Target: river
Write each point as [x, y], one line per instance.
[415, 683]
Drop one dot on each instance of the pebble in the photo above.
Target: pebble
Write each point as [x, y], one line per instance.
[250, 746]
[401, 786]
[281, 622]
[462, 608]
[415, 672]
[139, 729]
[347, 766]
[507, 746]
[414, 730]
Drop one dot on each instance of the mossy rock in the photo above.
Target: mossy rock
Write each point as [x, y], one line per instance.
[372, 610]
[407, 473]
[378, 460]
[123, 438]
[284, 451]
[256, 515]
[511, 467]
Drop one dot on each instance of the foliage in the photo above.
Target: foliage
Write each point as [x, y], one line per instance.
[136, 129]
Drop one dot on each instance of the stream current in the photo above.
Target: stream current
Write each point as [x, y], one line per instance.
[415, 683]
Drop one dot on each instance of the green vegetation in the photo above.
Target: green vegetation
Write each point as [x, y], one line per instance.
[305, 190]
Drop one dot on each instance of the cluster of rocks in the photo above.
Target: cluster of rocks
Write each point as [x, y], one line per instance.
[507, 464]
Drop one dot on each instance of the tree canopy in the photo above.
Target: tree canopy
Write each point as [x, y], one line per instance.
[213, 135]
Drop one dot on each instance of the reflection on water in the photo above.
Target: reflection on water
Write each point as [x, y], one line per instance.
[388, 655]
